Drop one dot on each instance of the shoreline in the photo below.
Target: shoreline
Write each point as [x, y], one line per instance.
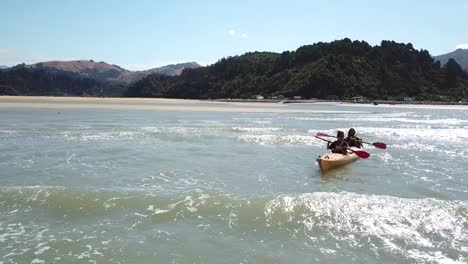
[312, 101]
[253, 102]
[151, 104]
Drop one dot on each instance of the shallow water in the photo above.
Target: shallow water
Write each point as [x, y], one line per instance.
[135, 186]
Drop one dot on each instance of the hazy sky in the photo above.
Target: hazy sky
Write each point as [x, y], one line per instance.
[145, 34]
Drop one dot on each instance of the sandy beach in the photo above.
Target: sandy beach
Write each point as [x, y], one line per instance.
[154, 104]
[165, 104]
[56, 99]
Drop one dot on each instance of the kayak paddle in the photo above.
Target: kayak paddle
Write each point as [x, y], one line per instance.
[379, 145]
[360, 153]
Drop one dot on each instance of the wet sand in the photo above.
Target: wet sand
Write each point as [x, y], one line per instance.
[154, 104]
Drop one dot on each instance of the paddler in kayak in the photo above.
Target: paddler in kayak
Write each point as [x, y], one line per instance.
[352, 140]
[340, 145]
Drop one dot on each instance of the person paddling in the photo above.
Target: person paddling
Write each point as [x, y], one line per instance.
[352, 140]
[340, 145]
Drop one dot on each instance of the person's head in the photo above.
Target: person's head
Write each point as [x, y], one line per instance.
[340, 135]
[351, 132]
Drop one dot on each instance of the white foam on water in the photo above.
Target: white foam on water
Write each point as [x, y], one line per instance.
[139, 133]
[252, 120]
[256, 129]
[433, 257]
[280, 139]
[41, 250]
[101, 136]
[385, 156]
[186, 130]
[434, 135]
[382, 119]
[402, 225]
[109, 203]
[416, 146]
[453, 151]
[152, 129]
[404, 134]
[210, 121]
[180, 130]
[260, 122]
[159, 211]
[156, 210]
[409, 106]
[189, 204]
[11, 231]
[85, 254]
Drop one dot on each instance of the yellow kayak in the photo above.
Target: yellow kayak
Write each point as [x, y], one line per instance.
[332, 160]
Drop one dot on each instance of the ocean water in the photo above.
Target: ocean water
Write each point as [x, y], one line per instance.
[142, 186]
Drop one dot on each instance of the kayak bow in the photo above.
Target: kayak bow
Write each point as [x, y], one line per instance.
[330, 160]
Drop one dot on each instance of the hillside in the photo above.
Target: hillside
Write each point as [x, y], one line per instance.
[172, 69]
[26, 81]
[343, 68]
[100, 71]
[459, 55]
[105, 72]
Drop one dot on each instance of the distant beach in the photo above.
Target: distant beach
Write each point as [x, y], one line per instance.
[93, 102]
[310, 101]
[155, 104]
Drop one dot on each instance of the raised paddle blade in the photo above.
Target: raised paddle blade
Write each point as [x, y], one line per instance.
[379, 145]
[361, 154]
[320, 134]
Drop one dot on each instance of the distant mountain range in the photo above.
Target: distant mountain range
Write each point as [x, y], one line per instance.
[459, 55]
[3, 67]
[102, 71]
[341, 68]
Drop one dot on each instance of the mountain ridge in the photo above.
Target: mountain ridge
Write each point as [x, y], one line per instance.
[341, 68]
[102, 71]
[459, 55]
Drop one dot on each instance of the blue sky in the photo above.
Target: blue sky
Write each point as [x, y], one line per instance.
[146, 34]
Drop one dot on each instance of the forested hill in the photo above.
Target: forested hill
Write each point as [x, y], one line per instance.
[25, 81]
[344, 68]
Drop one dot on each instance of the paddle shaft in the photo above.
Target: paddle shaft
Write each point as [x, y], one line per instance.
[375, 144]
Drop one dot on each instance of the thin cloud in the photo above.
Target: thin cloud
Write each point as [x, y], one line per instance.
[462, 46]
[237, 34]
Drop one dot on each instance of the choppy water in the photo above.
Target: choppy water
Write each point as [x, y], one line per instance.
[128, 186]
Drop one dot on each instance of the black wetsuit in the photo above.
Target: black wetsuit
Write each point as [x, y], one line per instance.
[335, 144]
[353, 142]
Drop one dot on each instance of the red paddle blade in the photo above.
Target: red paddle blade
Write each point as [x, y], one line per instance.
[361, 154]
[320, 134]
[379, 145]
